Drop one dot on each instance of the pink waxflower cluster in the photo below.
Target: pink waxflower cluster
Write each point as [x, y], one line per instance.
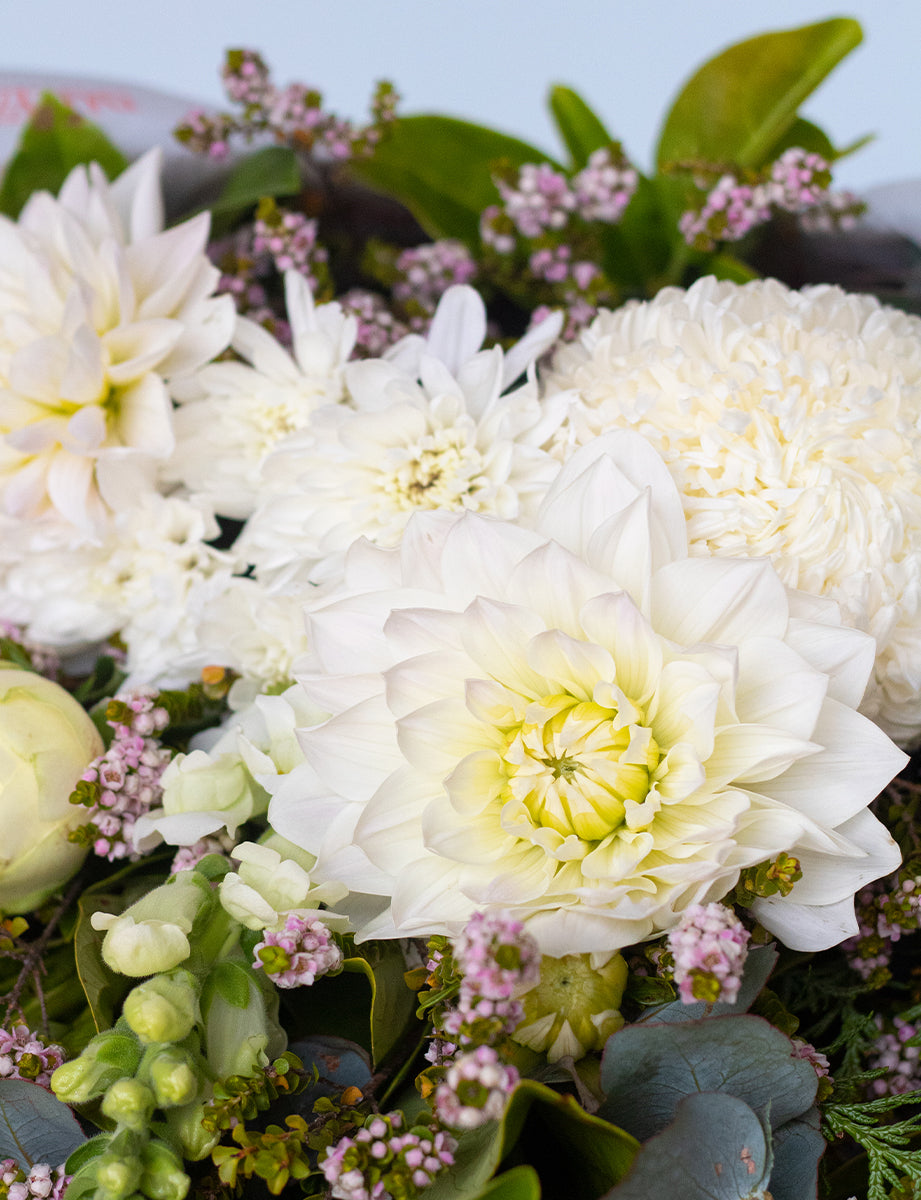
[426, 272]
[381, 1163]
[299, 953]
[124, 783]
[604, 187]
[730, 210]
[885, 911]
[25, 1055]
[41, 1183]
[896, 1052]
[187, 857]
[539, 198]
[293, 115]
[709, 946]
[820, 1064]
[475, 1090]
[290, 239]
[378, 327]
[496, 961]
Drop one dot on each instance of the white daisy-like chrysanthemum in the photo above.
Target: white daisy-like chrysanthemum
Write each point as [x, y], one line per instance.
[431, 425]
[790, 423]
[149, 579]
[232, 415]
[583, 725]
[100, 310]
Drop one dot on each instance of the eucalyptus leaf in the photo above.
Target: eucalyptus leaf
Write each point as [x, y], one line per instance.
[441, 169]
[739, 105]
[581, 129]
[337, 1060]
[715, 1149]
[35, 1127]
[758, 967]
[660, 1063]
[797, 1147]
[55, 140]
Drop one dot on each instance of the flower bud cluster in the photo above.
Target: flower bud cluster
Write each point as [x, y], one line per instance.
[475, 1089]
[382, 1163]
[885, 911]
[124, 783]
[299, 953]
[496, 960]
[426, 272]
[605, 187]
[897, 1052]
[290, 239]
[24, 1055]
[378, 327]
[797, 182]
[187, 857]
[293, 115]
[538, 198]
[42, 1182]
[709, 946]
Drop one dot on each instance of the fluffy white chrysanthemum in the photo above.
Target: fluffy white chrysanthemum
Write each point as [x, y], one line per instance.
[233, 415]
[584, 725]
[149, 579]
[790, 422]
[429, 426]
[99, 308]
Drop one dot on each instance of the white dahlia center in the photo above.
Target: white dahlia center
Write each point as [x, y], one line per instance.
[573, 765]
[439, 472]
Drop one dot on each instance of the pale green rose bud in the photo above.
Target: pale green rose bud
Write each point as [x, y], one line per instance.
[46, 743]
[152, 935]
[163, 1177]
[164, 1008]
[129, 1102]
[185, 1124]
[575, 1007]
[173, 1078]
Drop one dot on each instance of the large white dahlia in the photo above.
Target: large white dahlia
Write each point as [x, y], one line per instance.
[99, 309]
[584, 725]
[790, 422]
[436, 423]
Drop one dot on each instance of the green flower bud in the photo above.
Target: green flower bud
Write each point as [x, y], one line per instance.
[46, 743]
[163, 1177]
[173, 1078]
[83, 1079]
[117, 1177]
[574, 1008]
[152, 935]
[185, 1123]
[164, 1008]
[129, 1102]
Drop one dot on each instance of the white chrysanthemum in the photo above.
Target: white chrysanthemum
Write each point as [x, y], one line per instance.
[429, 426]
[233, 415]
[99, 308]
[584, 725]
[790, 422]
[149, 579]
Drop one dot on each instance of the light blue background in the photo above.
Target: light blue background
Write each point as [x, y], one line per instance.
[488, 60]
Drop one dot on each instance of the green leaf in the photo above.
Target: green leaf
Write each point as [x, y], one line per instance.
[272, 171]
[55, 141]
[441, 169]
[393, 1004]
[739, 105]
[232, 982]
[581, 130]
[743, 1056]
[521, 1183]
[715, 1149]
[572, 1152]
[34, 1125]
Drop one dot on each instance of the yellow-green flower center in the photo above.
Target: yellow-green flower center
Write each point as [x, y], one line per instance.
[573, 763]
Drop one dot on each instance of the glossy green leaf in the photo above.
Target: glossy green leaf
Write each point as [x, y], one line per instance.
[739, 105]
[35, 1127]
[521, 1183]
[272, 171]
[572, 1152]
[743, 1056]
[441, 169]
[581, 129]
[55, 140]
[715, 1149]
[393, 1004]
